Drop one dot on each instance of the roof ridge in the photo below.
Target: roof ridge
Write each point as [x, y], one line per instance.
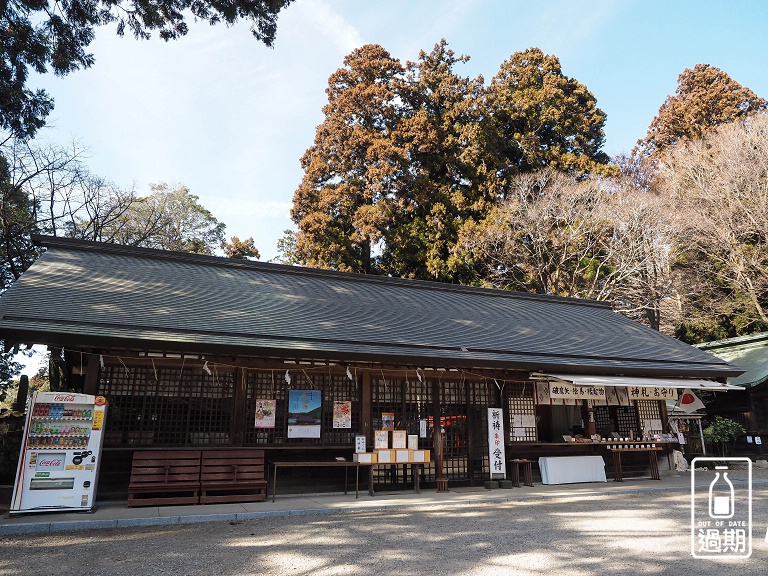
[222, 262]
[727, 342]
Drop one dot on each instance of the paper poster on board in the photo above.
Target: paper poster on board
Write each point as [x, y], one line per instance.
[304, 413]
[542, 393]
[342, 414]
[529, 420]
[265, 413]
[381, 439]
[617, 396]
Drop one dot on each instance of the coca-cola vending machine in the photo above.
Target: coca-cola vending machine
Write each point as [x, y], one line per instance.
[60, 454]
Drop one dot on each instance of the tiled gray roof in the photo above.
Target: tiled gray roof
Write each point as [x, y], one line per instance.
[748, 352]
[105, 294]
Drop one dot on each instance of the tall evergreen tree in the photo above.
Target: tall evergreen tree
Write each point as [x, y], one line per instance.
[353, 165]
[542, 118]
[443, 181]
[405, 158]
[705, 98]
[17, 221]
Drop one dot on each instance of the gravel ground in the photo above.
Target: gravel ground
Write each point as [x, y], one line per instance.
[642, 533]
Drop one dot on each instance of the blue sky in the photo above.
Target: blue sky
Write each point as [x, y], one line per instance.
[229, 118]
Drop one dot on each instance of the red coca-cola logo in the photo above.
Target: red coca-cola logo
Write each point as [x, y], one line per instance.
[52, 463]
[62, 398]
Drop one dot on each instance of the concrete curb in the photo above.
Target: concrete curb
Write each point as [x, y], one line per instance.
[52, 527]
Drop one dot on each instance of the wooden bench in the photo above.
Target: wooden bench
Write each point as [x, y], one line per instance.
[159, 478]
[232, 476]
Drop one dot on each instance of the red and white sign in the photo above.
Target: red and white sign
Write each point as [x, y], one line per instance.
[50, 462]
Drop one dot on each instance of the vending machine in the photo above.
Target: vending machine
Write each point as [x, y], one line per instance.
[60, 453]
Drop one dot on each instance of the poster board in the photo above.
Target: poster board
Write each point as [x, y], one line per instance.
[305, 410]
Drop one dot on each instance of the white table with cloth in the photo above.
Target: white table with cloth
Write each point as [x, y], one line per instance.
[571, 469]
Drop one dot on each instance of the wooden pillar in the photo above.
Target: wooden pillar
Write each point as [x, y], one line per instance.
[438, 443]
[92, 368]
[664, 415]
[239, 408]
[588, 416]
[366, 401]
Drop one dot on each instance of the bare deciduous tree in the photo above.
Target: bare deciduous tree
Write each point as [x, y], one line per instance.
[543, 238]
[601, 239]
[720, 184]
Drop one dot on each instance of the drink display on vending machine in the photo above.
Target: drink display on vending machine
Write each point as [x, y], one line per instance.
[60, 454]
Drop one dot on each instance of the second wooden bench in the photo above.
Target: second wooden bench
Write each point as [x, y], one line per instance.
[232, 476]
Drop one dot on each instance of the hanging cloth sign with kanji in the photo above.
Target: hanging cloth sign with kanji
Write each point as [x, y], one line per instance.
[496, 444]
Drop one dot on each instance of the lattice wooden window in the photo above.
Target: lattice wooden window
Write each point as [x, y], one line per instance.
[480, 399]
[167, 406]
[463, 416]
[453, 417]
[649, 410]
[522, 411]
[603, 420]
[626, 418]
[265, 386]
[417, 406]
[270, 386]
[339, 388]
[410, 400]
[388, 395]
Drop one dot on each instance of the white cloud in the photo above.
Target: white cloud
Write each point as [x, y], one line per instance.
[332, 25]
[583, 24]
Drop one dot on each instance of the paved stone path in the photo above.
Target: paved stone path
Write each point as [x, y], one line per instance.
[611, 534]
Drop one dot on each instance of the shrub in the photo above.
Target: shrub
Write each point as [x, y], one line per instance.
[723, 433]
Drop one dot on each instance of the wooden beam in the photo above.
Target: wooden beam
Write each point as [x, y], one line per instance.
[365, 408]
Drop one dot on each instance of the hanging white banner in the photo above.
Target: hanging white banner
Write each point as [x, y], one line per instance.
[496, 455]
[638, 393]
[566, 390]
